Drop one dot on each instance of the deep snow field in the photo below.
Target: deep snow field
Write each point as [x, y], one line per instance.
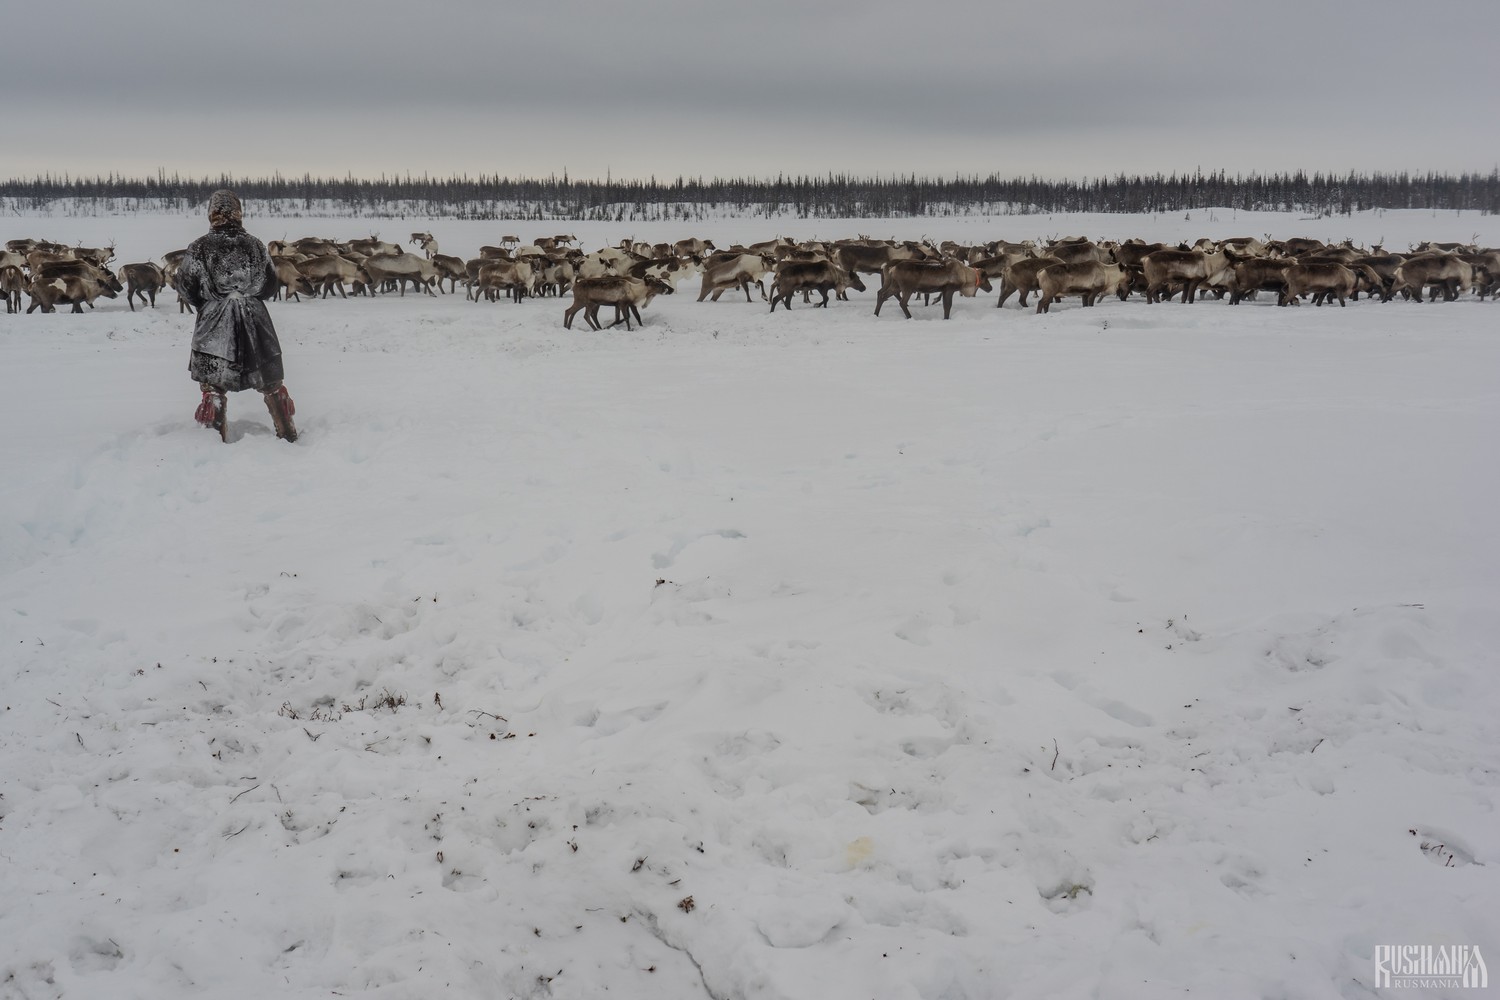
[1130, 652]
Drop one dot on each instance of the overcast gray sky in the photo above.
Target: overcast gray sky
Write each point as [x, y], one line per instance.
[754, 87]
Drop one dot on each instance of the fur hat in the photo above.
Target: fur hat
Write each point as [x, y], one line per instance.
[224, 209]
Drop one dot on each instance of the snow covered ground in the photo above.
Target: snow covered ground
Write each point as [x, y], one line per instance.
[1132, 652]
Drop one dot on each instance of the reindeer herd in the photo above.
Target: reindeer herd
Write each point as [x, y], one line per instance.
[626, 277]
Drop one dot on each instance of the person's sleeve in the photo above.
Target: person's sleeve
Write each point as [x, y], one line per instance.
[268, 285]
[189, 280]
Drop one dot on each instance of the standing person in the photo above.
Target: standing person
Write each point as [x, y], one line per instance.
[226, 276]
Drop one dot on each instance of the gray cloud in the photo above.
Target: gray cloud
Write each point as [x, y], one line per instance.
[668, 86]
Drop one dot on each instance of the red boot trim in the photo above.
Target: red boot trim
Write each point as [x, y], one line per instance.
[207, 410]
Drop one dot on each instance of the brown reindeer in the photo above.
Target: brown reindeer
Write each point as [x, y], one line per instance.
[513, 277]
[1438, 270]
[805, 276]
[1087, 279]
[74, 281]
[1323, 278]
[1259, 274]
[722, 272]
[12, 284]
[1166, 268]
[627, 295]
[144, 280]
[331, 271]
[427, 243]
[290, 281]
[401, 268]
[450, 269]
[1080, 253]
[904, 278]
[1022, 277]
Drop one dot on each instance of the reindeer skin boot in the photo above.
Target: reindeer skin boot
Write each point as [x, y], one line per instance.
[213, 411]
[279, 402]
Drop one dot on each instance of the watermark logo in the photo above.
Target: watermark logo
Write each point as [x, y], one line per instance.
[1426, 966]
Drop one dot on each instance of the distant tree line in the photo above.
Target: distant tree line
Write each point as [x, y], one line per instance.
[829, 196]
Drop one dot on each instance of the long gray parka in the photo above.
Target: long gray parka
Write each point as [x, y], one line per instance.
[225, 276]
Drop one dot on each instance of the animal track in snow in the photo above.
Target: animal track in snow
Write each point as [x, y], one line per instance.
[1065, 884]
[906, 909]
[914, 630]
[1112, 707]
[1182, 632]
[1443, 848]
[93, 955]
[926, 747]
[878, 800]
[457, 880]
[1243, 876]
[664, 560]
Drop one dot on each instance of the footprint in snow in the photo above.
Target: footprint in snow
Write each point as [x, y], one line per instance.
[914, 630]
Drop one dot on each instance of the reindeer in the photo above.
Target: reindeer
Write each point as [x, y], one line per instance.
[401, 268]
[1087, 278]
[724, 271]
[903, 278]
[330, 271]
[806, 276]
[12, 284]
[98, 256]
[450, 269]
[373, 246]
[427, 243]
[1021, 276]
[289, 280]
[515, 277]
[627, 295]
[1439, 270]
[1191, 267]
[145, 280]
[1324, 278]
